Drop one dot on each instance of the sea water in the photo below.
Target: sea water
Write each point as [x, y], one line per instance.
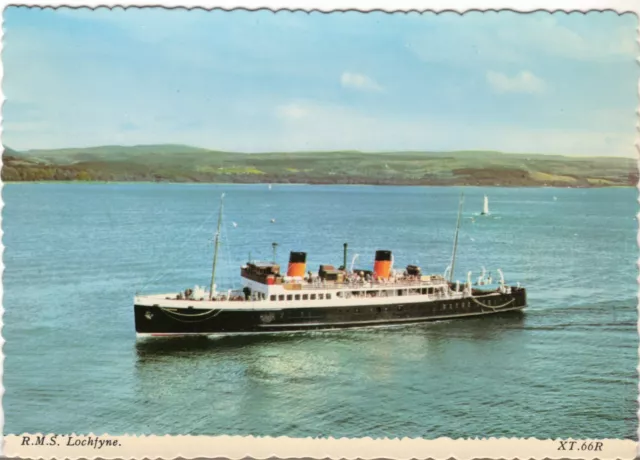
[76, 254]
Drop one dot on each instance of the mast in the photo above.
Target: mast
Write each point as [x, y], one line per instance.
[455, 240]
[215, 251]
[344, 262]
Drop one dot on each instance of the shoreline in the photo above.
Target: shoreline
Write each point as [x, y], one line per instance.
[344, 168]
[302, 184]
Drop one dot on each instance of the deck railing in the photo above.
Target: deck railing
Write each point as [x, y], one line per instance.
[367, 285]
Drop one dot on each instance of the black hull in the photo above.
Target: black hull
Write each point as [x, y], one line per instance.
[159, 321]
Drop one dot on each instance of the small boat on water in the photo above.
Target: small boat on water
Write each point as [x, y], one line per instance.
[331, 298]
[485, 206]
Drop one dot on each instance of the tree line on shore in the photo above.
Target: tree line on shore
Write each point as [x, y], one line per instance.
[481, 169]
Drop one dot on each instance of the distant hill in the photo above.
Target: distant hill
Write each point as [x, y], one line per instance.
[181, 163]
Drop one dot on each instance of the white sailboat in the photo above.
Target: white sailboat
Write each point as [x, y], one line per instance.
[485, 207]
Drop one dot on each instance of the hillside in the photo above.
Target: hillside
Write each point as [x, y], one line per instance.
[177, 163]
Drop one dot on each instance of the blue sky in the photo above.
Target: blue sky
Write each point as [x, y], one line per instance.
[259, 81]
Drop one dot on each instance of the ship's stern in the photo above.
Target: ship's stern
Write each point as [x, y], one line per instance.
[520, 296]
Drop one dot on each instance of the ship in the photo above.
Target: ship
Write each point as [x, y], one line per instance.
[270, 301]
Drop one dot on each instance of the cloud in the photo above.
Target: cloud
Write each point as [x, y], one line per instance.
[523, 82]
[292, 111]
[359, 81]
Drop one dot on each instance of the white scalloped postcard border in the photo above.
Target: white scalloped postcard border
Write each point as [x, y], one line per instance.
[62, 446]
[239, 447]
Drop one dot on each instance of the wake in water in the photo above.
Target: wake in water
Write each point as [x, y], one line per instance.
[609, 315]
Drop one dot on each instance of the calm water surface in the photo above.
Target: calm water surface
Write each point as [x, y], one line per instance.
[76, 254]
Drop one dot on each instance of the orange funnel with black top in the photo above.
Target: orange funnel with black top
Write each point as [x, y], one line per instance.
[382, 265]
[297, 264]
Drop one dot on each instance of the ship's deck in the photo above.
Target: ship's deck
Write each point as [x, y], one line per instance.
[360, 295]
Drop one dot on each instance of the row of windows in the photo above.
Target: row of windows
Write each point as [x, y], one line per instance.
[433, 308]
[376, 293]
[282, 297]
[304, 297]
[390, 292]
